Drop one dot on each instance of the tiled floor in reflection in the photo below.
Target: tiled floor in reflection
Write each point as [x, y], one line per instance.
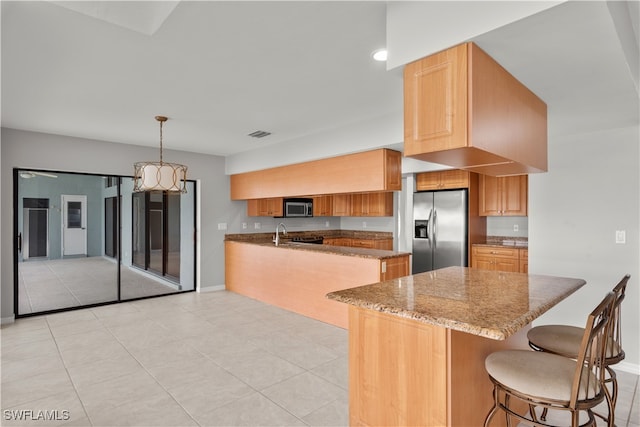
[53, 284]
[211, 359]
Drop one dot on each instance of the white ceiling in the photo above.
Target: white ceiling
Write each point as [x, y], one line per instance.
[221, 70]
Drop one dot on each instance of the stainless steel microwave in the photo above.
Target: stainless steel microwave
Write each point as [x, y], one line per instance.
[298, 208]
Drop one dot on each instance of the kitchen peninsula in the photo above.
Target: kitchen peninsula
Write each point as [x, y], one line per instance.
[417, 344]
[297, 276]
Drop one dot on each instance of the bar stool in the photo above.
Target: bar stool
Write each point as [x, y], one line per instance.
[552, 381]
[565, 341]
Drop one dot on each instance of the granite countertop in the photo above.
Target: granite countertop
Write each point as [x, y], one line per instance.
[340, 250]
[327, 234]
[518, 242]
[265, 239]
[490, 304]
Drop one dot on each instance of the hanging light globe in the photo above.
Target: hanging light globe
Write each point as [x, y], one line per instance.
[160, 176]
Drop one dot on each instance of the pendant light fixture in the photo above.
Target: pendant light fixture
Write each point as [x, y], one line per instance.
[160, 176]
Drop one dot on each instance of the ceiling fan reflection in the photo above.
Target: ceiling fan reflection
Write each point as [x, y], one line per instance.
[33, 174]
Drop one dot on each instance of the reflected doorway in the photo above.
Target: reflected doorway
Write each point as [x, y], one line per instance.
[35, 238]
[74, 225]
[111, 227]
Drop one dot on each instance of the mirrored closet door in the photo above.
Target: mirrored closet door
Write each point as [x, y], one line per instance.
[85, 240]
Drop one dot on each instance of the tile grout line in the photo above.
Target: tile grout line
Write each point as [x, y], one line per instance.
[634, 397]
[66, 369]
[305, 370]
[144, 368]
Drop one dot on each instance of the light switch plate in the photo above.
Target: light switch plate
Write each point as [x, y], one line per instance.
[621, 236]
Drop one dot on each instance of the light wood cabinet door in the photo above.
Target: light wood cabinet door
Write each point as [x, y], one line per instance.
[490, 199]
[503, 196]
[323, 205]
[435, 102]
[273, 206]
[363, 204]
[359, 204]
[524, 260]
[337, 241]
[507, 264]
[265, 207]
[379, 204]
[385, 244]
[372, 204]
[496, 258]
[394, 268]
[252, 207]
[483, 262]
[428, 181]
[341, 204]
[514, 191]
[442, 180]
[363, 243]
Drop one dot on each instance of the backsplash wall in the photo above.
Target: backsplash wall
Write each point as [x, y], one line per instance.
[504, 226]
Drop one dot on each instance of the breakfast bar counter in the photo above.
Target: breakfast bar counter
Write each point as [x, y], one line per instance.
[417, 344]
[297, 276]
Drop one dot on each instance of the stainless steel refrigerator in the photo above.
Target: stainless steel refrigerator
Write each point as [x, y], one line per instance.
[440, 230]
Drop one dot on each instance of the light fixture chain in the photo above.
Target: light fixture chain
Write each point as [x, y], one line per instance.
[161, 122]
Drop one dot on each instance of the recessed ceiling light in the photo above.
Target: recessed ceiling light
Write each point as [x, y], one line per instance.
[380, 55]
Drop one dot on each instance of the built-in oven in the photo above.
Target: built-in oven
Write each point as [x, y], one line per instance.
[298, 207]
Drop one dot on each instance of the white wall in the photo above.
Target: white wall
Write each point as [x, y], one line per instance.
[591, 190]
[411, 24]
[385, 131]
[68, 154]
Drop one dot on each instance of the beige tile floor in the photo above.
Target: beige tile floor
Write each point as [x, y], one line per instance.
[54, 284]
[210, 359]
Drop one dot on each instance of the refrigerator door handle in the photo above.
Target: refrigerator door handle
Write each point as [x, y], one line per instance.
[430, 226]
[434, 227]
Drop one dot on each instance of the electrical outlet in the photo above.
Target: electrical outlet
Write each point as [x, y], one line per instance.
[256, 225]
[222, 226]
[516, 227]
[364, 224]
[621, 236]
[244, 225]
[326, 224]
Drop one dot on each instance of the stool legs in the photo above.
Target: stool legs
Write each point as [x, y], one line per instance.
[610, 396]
[494, 408]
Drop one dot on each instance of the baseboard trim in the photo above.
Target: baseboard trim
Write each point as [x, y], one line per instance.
[212, 288]
[7, 320]
[631, 368]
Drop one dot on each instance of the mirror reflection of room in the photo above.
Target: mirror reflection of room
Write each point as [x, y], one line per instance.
[89, 239]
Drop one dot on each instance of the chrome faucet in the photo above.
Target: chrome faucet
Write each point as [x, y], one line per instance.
[277, 237]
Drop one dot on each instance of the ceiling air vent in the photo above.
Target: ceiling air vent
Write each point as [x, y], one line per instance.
[259, 134]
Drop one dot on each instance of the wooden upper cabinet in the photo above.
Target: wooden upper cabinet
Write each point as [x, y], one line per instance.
[435, 103]
[323, 205]
[363, 204]
[503, 196]
[372, 204]
[442, 180]
[342, 205]
[273, 206]
[369, 171]
[462, 109]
